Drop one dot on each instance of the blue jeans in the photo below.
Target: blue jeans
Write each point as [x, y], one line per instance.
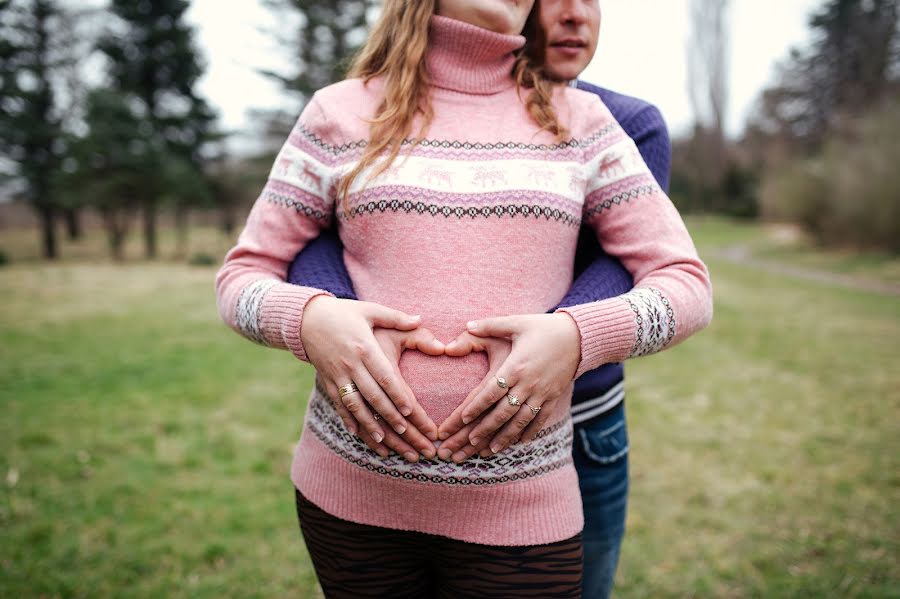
[600, 452]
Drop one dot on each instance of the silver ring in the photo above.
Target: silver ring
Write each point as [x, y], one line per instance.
[501, 382]
[513, 399]
[377, 416]
[534, 410]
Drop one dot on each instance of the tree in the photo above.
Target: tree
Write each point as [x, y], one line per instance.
[852, 63]
[826, 132]
[31, 130]
[328, 34]
[702, 161]
[117, 170]
[235, 182]
[708, 56]
[153, 61]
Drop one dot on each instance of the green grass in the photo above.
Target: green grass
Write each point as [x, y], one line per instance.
[144, 448]
[786, 244]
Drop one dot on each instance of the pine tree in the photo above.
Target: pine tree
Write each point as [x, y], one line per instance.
[153, 61]
[852, 63]
[329, 33]
[30, 122]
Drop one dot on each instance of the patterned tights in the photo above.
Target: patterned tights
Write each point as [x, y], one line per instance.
[356, 560]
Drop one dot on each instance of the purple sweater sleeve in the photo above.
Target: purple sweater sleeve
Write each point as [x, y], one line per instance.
[321, 264]
[599, 276]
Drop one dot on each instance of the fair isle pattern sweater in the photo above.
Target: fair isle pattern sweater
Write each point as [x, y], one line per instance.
[479, 219]
[321, 263]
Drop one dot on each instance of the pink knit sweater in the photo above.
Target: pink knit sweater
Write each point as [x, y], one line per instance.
[480, 219]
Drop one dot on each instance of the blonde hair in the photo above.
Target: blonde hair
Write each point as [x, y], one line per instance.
[396, 51]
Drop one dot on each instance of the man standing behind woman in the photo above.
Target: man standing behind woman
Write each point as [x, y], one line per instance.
[477, 217]
[570, 32]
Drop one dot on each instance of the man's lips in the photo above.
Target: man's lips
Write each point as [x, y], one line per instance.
[569, 42]
[569, 46]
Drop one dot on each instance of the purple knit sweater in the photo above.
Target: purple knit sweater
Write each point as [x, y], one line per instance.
[598, 276]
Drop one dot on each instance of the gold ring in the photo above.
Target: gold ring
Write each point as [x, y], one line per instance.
[377, 416]
[348, 389]
[513, 399]
[501, 382]
[534, 410]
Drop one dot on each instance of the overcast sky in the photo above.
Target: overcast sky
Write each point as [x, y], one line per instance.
[642, 52]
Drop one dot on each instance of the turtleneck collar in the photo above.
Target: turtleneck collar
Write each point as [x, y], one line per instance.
[469, 59]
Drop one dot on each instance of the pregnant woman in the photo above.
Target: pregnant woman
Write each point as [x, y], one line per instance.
[459, 178]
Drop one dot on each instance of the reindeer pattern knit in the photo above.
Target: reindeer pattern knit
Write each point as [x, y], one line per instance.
[479, 219]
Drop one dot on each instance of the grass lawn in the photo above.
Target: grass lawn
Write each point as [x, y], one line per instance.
[144, 448]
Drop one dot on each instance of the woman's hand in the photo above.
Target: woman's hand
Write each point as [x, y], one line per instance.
[340, 342]
[418, 438]
[454, 433]
[540, 364]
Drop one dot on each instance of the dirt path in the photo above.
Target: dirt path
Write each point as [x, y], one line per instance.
[739, 254]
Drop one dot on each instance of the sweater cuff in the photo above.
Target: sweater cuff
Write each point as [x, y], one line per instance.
[282, 316]
[607, 331]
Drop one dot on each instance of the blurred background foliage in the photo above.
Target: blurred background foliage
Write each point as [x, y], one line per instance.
[816, 152]
[765, 451]
[828, 95]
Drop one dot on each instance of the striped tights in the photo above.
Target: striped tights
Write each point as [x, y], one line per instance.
[356, 560]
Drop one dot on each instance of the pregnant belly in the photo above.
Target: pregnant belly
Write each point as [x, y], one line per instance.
[441, 383]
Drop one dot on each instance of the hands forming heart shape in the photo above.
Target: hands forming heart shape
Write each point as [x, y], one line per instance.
[362, 342]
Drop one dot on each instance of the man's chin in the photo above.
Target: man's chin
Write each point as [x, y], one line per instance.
[562, 75]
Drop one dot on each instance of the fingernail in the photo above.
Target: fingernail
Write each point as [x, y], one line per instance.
[475, 441]
[443, 436]
[466, 419]
[400, 429]
[411, 456]
[429, 454]
[444, 454]
[459, 456]
[383, 452]
[352, 428]
[378, 437]
[406, 410]
[471, 324]
[495, 447]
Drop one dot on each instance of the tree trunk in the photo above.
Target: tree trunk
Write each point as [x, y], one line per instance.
[149, 213]
[116, 225]
[48, 231]
[228, 219]
[116, 244]
[73, 223]
[182, 212]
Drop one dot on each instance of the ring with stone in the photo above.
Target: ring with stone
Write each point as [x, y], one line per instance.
[501, 382]
[513, 399]
[534, 410]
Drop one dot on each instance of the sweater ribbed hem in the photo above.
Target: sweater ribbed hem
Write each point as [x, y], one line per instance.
[282, 316]
[608, 332]
[536, 511]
